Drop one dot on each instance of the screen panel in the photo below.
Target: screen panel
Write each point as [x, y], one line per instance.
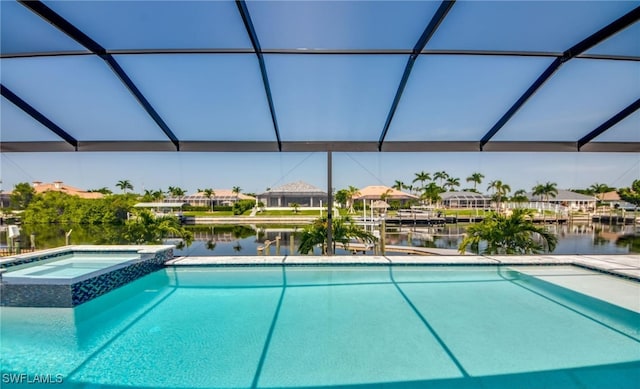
[17, 126]
[340, 24]
[628, 130]
[553, 26]
[333, 97]
[460, 97]
[157, 24]
[82, 96]
[205, 97]
[626, 42]
[22, 31]
[581, 95]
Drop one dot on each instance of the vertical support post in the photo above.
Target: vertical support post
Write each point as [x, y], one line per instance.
[383, 233]
[329, 205]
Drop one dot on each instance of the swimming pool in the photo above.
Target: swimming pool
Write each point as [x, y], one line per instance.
[360, 327]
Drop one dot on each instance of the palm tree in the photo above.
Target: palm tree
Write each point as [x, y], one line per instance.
[124, 185]
[176, 191]
[432, 192]
[514, 234]
[422, 177]
[632, 194]
[500, 190]
[410, 188]
[209, 193]
[104, 190]
[452, 183]
[147, 228]
[158, 194]
[352, 191]
[384, 196]
[399, 185]
[520, 196]
[476, 178]
[599, 189]
[147, 196]
[442, 176]
[236, 190]
[546, 190]
[343, 230]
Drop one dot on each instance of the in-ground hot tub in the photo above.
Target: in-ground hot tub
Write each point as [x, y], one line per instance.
[72, 275]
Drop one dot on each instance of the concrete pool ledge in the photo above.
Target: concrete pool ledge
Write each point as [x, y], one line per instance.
[627, 266]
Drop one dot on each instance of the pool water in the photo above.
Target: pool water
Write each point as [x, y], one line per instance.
[360, 327]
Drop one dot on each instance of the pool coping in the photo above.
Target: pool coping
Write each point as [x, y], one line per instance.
[621, 265]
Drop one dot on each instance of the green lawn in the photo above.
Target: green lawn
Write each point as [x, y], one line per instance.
[208, 213]
[301, 212]
[268, 213]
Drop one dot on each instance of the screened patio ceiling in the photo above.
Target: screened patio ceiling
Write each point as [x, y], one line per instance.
[301, 76]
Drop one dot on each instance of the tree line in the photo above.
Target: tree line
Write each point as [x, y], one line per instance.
[428, 187]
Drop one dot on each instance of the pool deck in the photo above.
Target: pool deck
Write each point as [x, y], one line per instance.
[626, 265]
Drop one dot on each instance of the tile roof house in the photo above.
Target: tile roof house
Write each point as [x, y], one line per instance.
[59, 186]
[566, 198]
[220, 197]
[299, 192]
[376, 192]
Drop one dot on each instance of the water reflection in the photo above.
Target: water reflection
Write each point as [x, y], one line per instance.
[244, 240]
[572, 239]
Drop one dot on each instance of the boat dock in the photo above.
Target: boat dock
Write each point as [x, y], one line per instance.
[615, 219]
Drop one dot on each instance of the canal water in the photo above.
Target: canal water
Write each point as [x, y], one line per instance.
[245, 240]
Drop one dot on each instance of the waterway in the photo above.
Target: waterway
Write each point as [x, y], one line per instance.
[244, 240]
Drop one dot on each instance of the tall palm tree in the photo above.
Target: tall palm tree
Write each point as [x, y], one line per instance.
[176, 191]
[452, 183]
[398, 185]
[422, 177]
[158, 194]
[352, 191]
[343, 230]
[442, 176]
[500, 190]
[384, 196]
[599, 189]
[632, 194]
[431, 192]
[514, 234]
[410, 188]
[476, 178]
[209, 193]
[520, 196]
[236, 190]
[546, 190]
[124, 185]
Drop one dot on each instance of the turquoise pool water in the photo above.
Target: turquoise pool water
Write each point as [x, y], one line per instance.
[320, 327]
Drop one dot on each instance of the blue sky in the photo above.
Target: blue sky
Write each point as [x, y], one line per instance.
[318, 97]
